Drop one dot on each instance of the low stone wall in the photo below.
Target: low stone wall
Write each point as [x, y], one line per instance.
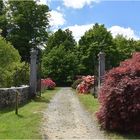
[8, 96]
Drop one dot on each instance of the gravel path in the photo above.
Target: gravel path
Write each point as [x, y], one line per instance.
[65, 118]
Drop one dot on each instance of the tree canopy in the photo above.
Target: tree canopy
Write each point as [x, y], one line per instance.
[61, 37]
[60, 65]
[3, 20]
[125, 47]
[91, 43]
[59, 59]
[27, 24]
[63, 58]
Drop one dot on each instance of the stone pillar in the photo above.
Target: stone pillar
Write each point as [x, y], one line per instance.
[33, 72]
[101, 68]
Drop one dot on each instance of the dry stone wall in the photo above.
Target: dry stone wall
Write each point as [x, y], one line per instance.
[8, 96]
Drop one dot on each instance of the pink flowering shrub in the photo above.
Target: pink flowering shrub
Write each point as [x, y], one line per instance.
[86, 84]
[47, 84]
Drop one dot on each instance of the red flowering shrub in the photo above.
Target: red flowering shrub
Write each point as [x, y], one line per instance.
[47, 84]
[120, 97]
[86, 84]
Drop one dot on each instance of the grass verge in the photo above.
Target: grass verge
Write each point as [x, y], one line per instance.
[89, 102]
[25, 125]
[92, 105]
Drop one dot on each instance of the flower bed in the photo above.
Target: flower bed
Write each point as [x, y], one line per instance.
[47, 83]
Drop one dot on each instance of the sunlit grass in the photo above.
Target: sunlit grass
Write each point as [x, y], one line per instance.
[26, 125]
[92, 105]
[89, 102]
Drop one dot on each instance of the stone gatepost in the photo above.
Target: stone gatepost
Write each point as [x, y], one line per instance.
[33, 73]
[101, 68]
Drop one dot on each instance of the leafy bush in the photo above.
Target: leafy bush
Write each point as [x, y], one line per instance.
[47, 84]
[60, 65]
[86, 84]
[9, 61]
[120, 97]
[21, 75]
[76, 83]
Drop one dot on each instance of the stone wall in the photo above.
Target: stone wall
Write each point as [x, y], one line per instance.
[8, 96]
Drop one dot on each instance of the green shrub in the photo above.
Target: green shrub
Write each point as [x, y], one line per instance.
[21, 75]
[9, 62]
[76, 83]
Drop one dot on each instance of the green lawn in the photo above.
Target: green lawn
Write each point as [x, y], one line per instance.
[92, 105]
[89, 102]
[26, 125]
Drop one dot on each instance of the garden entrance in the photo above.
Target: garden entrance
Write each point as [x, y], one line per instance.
[35, 73]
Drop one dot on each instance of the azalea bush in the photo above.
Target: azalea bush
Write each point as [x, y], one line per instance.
[86, 84]
[120, 97]
[47, 84]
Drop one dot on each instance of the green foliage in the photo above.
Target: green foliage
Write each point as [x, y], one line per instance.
[85, 53]
[95, 40]
[9, 60]
[76, 83]
[125, 47]
[60, 59]
[91, 103]
[137, 46]
[21, 75]
[98, 34]
[27, 24]
[60, 65]
[99, 39]
[61, 37]
[3, 20]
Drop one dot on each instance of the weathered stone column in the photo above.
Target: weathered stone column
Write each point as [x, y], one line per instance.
[101, 68]
[33, 72]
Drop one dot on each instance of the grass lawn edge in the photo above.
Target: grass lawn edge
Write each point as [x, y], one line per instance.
[92, 105]
[27, 124]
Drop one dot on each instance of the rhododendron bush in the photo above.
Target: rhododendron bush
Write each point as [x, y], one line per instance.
[86, 84]
[47, 84]
[120, 97]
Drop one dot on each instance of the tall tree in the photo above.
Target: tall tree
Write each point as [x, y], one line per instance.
[60, 65]
[125, 47]
[60, 59]
[3, 20]
[28, 24]
[91, 43]
[61, 37]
